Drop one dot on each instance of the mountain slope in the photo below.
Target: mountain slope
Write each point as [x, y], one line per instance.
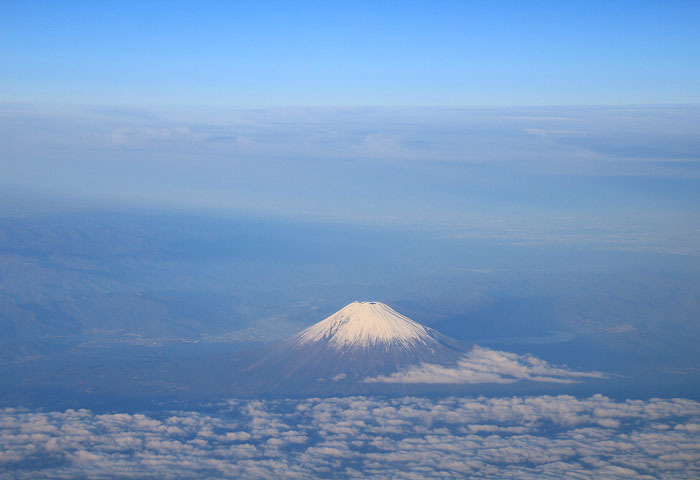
[362, 339]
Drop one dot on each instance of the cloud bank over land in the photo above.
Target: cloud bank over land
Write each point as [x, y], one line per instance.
[559, 175]
[574, 140]
[484, 365]
[360, 437]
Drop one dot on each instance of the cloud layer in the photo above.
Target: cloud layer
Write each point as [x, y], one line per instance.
[483, 365]
[362, 437]
[623, 177]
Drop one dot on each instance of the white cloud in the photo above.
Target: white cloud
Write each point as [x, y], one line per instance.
[483, 365]
[544, 437]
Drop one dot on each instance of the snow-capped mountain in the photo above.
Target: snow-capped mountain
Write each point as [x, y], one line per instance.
[366, 325]
[362, 339]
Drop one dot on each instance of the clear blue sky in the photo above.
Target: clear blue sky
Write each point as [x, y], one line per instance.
[350, 53]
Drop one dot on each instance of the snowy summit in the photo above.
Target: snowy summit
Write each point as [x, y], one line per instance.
[365, 324]
[362, 340]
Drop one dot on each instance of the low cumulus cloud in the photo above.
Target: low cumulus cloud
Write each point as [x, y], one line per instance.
[483, 365]
[363, 437]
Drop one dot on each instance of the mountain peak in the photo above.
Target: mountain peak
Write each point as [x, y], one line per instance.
[361, 340]
[365, 324]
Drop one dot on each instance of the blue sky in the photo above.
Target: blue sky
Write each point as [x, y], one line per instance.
[350, 53]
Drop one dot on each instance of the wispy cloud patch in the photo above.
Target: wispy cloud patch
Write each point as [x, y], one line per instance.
[484, 365]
